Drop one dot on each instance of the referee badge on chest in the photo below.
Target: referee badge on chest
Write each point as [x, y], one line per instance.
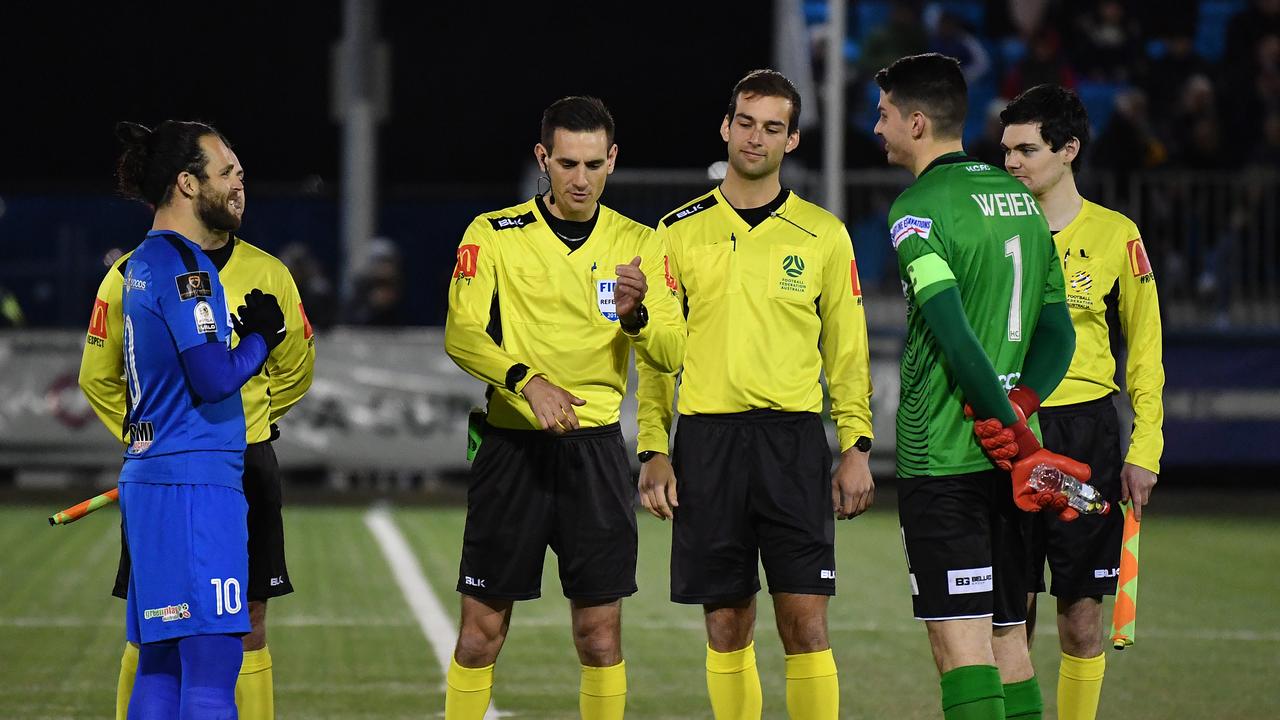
[604, 298]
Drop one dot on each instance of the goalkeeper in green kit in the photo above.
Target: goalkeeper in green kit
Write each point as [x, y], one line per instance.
[987, 329]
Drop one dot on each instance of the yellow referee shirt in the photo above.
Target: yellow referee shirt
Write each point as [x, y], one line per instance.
[284, 379]
[1102, 251]
[768, 309]
[520, 297]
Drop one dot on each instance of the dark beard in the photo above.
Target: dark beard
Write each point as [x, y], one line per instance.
[213, 212]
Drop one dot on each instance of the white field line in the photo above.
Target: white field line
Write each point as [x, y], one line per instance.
[426, 607]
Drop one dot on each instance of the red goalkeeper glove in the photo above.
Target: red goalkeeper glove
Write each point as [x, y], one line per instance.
[1030, 499]
[1005, 444]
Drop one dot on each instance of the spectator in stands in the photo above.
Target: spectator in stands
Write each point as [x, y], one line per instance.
[1043, 63]
[1267, 155]
[1246, 29]
[1129, 143]
[903, 35]
[314, 287]
[379, 288]
[1109, 45]
[1167, 74]
[988, 148]
[1251, 88]
[1196, 130]
[952, 38]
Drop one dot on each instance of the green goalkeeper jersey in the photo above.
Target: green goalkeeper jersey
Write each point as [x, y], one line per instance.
[968, 225]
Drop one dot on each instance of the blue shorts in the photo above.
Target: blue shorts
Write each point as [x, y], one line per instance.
[189, 545]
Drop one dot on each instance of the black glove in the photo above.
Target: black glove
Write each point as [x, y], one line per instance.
[260, 314]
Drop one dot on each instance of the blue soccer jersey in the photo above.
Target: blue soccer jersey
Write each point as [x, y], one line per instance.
[174, 301]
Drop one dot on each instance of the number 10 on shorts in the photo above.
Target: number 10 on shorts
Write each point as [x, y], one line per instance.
[227, 593]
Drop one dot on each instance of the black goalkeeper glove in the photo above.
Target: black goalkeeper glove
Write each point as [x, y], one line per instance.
[260, 314]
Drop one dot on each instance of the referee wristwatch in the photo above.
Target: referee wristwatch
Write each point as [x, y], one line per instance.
[641, 318]
[646, 455]
[863, 444]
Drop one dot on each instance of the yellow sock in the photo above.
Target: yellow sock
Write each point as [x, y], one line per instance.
[1079, 686]
[467, 697]
[124, 686]
[255, 690]
[813, 691]
[602, 694]
[734, 684]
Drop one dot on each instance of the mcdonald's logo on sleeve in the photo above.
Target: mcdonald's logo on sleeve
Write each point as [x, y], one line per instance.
[98, 320]
[855, 284]
[467, 256]
[1138, 261]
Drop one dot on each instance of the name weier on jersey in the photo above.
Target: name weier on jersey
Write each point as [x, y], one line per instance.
[1006, 204]
[910, 225]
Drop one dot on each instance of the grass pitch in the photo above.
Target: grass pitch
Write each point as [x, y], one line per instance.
[346, 645]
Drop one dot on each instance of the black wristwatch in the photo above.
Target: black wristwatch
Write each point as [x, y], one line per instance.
[646, 455]
[641, 319]
[515, 375]
[863, 443]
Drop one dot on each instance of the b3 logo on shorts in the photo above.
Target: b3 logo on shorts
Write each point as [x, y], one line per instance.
[972, 580]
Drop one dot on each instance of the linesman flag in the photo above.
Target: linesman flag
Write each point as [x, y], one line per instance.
[1124, 618]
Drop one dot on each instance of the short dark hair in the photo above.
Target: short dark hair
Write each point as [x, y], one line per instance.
[1059, 112]
[151, 160]
[576, 113]
[767, 83]
[931, 84]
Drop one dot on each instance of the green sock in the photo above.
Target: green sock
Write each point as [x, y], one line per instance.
[1022, 700]
[972, 692]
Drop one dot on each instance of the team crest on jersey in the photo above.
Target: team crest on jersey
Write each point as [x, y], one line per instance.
[194, 285]
[605, 300]
[1138, 261]
[205, 323]
[910, 225]
[141, 435]
[1078, 296]
[793, 266]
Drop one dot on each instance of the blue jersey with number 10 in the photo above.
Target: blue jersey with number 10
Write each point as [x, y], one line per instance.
[174, 301]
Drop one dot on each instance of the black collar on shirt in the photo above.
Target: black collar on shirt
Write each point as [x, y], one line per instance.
[222, 255]
[571, 232]
[756, 215]
[950, 158]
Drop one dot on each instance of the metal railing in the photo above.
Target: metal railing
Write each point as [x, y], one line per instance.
[1212, 237]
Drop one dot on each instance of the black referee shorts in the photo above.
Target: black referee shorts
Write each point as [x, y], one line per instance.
[268, 573]
[1084, 554]
[966, 557]
[754, 488]
[530, 490]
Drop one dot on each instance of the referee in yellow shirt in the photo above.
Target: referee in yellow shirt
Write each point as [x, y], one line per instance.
[283, 381]
[548, 299]
[771, 296]
[1105, 266]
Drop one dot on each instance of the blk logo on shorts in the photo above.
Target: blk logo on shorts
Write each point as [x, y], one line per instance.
[473, 582]
[1104, 573]
[827, 574]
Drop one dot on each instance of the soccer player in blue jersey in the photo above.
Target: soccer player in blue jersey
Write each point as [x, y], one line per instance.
[180, 488]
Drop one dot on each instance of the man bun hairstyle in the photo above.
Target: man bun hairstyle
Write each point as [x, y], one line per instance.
[576, 113]
[151, 160]
[1059, 112]
[931, 84]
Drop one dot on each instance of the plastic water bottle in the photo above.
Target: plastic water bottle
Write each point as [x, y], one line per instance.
[1082, 497]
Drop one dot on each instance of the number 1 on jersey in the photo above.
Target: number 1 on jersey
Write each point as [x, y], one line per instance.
[1013, 249]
